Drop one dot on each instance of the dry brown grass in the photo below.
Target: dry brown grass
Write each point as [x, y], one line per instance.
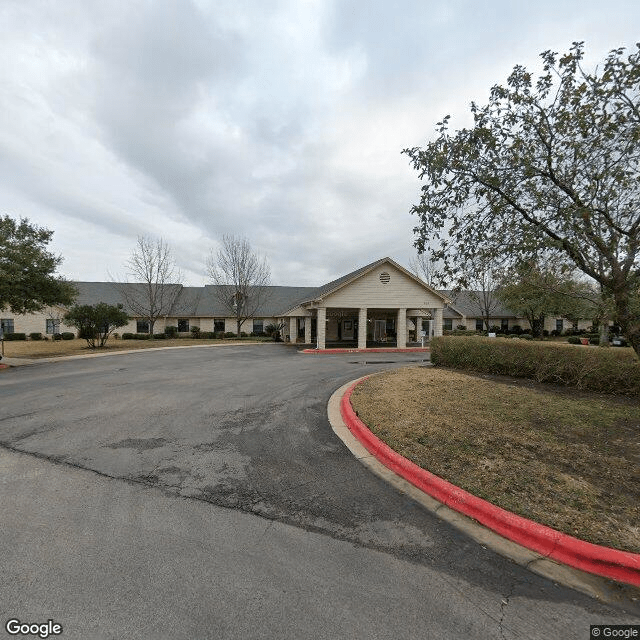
[567, 459]
[49, 348]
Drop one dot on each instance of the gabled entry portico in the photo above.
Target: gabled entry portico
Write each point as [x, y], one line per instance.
[377, 305]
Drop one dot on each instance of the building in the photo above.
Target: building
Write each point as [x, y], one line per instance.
[381, 303]
[465, 311]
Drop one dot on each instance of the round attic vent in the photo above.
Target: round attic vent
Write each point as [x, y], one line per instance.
[385, 277]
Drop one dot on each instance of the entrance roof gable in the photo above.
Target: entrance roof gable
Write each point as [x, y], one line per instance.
[331, 288]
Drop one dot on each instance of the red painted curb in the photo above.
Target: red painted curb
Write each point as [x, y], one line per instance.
[380, 350]
[603, 561]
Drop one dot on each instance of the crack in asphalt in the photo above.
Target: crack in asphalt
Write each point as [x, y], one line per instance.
[503, 609]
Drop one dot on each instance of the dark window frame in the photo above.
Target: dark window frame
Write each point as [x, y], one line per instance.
[142, 326]
[52, 326]
[7, 325]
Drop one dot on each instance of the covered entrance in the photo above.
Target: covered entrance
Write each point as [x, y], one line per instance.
[381, 305]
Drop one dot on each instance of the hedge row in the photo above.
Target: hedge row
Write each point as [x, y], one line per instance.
[205, 335]
[599, 370]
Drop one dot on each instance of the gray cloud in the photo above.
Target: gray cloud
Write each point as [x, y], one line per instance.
[280, 121]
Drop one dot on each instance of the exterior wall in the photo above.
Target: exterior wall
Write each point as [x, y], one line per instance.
[368, 291]
[36, 322]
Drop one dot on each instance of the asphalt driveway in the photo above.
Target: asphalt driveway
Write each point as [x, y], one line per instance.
[245, 428]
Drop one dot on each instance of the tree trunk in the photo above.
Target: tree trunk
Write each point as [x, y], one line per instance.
[629, 325]
[604, 332]
[151, 325]
[238, 325]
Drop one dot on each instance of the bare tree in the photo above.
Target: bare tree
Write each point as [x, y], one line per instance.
[241, 277]
[157, 278]
[483, 285]
[424, 267]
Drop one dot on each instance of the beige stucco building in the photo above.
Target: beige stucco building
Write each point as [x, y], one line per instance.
[381, 303]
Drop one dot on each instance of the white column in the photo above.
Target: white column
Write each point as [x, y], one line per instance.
[437, 329]
[293, 329]
[321, 329]
[307, 330]
[401, 329]
[362, 328]
[418, 321]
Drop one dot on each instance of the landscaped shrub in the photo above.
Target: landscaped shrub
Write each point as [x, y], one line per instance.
[244, 334]
[573, 340]
[15, 336]
[36, 335]
[461, 327]
[128, 336]
[68, 335]
[208, 335]
[141, 336]
[172, 332]
[56, 336]
[195, 332]
[159, 336]
[229, 334]
[600, 370]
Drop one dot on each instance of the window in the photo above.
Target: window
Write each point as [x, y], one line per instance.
[504, 324]
[183, 325]
[218, 324]
[479, 324]
[142, 326]
[559, 325]
[7, 325]
[53, 325]
[258, 325]
[447, 324]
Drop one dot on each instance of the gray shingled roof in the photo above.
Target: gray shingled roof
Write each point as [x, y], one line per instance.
[194, 302]
[318, 292]
[276, 301]
[202, 302]
[465, 303]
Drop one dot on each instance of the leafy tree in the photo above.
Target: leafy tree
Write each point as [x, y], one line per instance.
[96, 322]
[27, 270]
[153, 268]
[550, 166]
[535, 292]
[241, 277]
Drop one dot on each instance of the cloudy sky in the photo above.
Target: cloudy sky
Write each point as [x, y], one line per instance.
[282, 121]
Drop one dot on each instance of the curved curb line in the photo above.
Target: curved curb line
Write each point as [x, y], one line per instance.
[609, 563]
[323, 352]
[592, 585]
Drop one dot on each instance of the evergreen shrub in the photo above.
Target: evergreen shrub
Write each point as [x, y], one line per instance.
[600, 370]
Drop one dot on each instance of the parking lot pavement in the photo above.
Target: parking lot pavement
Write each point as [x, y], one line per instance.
[247, 429]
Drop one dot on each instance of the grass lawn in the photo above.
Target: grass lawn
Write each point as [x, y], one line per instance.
[561, 457]
[49, 348]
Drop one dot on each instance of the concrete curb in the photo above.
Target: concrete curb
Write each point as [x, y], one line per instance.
[321, 352]
[590, 584]
[21, 362]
